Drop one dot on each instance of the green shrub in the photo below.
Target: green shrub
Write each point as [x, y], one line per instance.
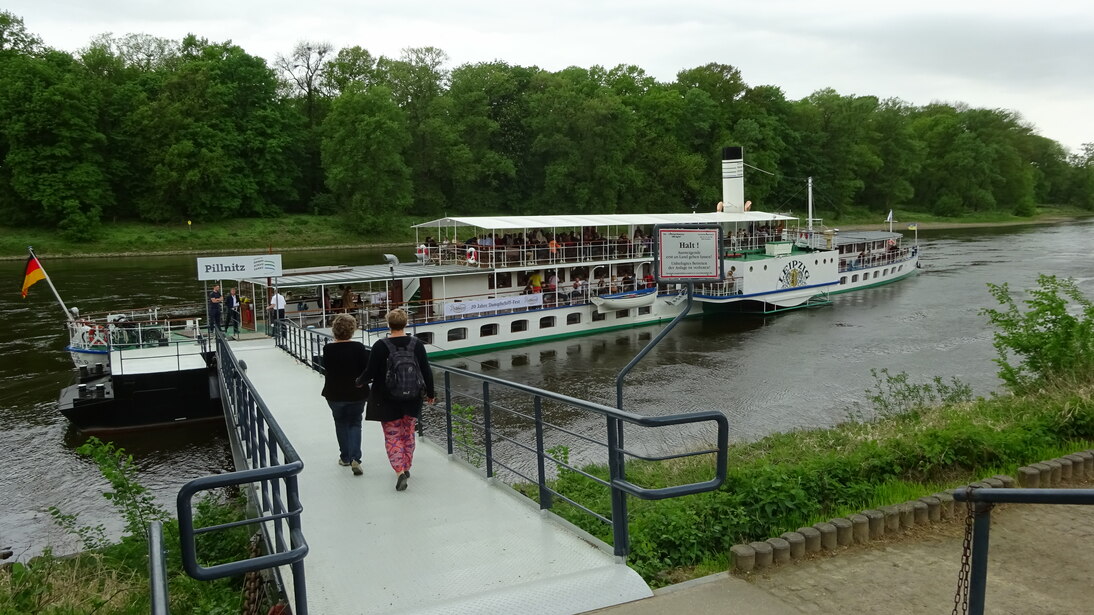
[1052, 339]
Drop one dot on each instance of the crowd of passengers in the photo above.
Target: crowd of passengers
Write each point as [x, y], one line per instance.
[589, 243]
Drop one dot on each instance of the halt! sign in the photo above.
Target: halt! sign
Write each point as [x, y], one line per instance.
[688, 254]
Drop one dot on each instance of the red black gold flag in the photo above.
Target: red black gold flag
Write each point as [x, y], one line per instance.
[33, 274]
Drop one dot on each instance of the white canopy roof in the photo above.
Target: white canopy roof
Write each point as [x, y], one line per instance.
[528, 222]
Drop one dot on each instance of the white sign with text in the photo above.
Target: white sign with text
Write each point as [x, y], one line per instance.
[518, 302]
[688, 254]
[239, 267]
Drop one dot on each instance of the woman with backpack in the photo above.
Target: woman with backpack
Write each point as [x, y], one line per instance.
[400, 374]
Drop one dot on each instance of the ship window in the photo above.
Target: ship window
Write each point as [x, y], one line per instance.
[505, 279]
[573, 319]
[875, 274]
[642, 311]
[900, 268]
[622, 313]
[843, 280]
[597, 316]
[457, 334]
[488, 330]
[546, 322]
[518, 326]
[427, 338]
[854, 278]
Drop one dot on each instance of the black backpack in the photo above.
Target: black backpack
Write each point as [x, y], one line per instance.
[404, 378]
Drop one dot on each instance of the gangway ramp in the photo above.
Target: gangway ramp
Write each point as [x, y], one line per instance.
[452, 543]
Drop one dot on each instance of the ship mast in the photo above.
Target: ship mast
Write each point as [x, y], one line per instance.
[809, 218]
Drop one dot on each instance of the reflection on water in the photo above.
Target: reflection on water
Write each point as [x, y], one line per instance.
[797, 370]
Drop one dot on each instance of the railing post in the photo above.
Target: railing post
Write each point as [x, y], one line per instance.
[488, 429]
[448, 412]
[620, 531]
[157, 569]
[545, 500]
[978, 577]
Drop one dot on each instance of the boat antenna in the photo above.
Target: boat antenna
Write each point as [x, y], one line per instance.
[68, 314]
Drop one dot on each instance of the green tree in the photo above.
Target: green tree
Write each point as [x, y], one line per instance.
[52, 155]
[364, 137]
[213, 140]
[582, 137]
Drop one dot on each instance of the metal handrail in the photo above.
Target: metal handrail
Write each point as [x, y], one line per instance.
[259, 444]
[615, 419]
[157, 569]
[983, 500]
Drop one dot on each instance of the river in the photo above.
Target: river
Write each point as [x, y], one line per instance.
[768, 374]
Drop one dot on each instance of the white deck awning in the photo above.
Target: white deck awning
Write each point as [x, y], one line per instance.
[540, 222]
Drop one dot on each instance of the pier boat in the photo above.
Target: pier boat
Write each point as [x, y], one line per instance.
[479, 283]
[139, 369]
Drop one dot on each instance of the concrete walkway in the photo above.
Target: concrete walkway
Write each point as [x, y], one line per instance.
[1040, 563]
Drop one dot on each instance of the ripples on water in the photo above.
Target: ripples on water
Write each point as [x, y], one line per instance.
[767, 374]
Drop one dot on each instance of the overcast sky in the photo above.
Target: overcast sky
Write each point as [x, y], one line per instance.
[1036, 58]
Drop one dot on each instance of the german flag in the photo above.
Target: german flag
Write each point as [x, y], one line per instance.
[33, 274]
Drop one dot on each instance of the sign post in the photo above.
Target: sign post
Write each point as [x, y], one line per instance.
[682, 254]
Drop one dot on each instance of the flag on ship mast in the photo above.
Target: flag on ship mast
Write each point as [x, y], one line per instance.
[890, 217]
[34, 273]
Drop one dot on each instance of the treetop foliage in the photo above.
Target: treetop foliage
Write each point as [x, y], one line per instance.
[143, 128]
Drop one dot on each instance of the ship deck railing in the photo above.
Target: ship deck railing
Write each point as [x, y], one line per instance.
[870, 261]
[371, 317]
[478, 417]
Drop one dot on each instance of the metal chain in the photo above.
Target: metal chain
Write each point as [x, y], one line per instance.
[252, 582]
[961, 597]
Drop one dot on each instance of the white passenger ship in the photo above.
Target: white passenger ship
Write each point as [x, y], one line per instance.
[488, 282]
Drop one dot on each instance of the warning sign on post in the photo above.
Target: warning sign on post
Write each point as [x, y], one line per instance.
[688, 254]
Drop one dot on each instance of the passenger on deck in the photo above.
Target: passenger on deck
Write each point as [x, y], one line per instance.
[398, 417]
[214, 307]
[343, 360]
[628, 282]
[277, 306]
[536, 282]
[347, 298]
[552, 282]
[234, 317]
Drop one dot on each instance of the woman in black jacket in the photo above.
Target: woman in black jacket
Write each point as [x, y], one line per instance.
[398, 416]
[343, 360]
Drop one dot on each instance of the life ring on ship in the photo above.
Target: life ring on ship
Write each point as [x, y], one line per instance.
[95, 335]
[421, 253]
[472, 257]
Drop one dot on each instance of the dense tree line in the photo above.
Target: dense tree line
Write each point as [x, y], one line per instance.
[143, 128]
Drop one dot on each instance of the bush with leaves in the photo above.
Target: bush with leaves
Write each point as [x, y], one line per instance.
[1052, 340]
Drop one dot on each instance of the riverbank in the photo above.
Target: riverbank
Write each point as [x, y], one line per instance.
[304, 232]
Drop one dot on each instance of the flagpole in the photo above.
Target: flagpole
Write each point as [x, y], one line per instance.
[51, 286]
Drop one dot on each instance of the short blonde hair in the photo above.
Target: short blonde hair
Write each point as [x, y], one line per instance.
[343, 326]
[396, 319]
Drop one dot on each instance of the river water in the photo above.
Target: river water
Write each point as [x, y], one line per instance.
[767, 374]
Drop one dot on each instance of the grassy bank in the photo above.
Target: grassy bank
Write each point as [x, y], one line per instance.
[793, 480]
[293, 232]
[246, 235]
[112, 576]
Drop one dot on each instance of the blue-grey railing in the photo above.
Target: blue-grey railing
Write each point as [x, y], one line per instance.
[258, 444]
[498, 448]
[304, 344]
[157, 569]
[983, 501]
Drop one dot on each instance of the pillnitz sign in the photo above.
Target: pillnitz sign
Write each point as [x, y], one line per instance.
[688, 253]
[239, 267]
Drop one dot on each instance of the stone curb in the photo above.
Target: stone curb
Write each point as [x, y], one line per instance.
[860, 528]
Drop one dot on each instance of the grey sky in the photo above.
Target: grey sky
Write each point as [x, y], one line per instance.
[1034, 58]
